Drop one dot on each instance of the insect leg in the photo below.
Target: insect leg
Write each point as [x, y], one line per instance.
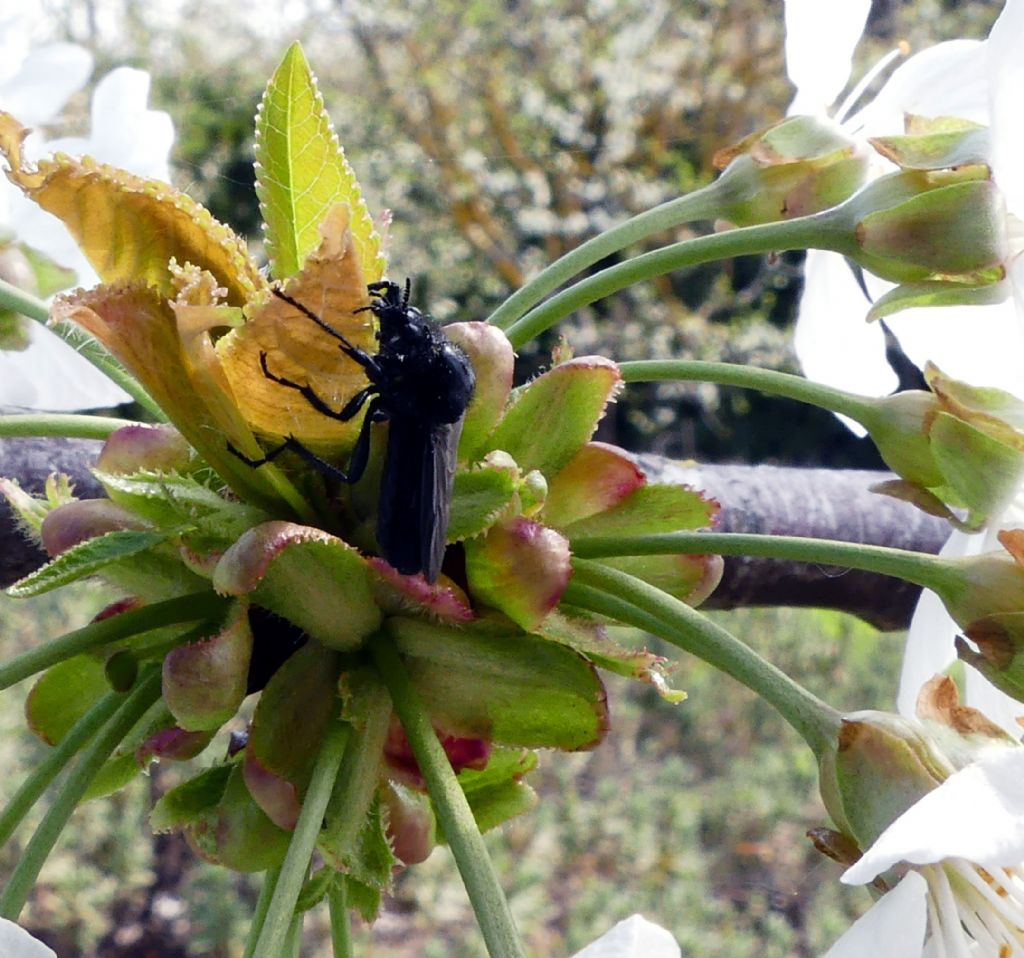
[293, 445]
[309, 394]
[361, 451]
[354, 353]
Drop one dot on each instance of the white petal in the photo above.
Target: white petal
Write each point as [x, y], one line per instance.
[976, 814]
[929, 649]
[46, 80]
[820, 40]
[50, 375]
[1006, 80]
[893, 928]
[15, 942]
[125, 132]
[834, 341]
[981, 345]
[948, 79]
[633, 937]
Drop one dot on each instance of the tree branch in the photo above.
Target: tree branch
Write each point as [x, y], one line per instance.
[820, 503]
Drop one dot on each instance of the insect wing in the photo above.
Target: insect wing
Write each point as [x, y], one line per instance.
[438, 479]
[415, 495]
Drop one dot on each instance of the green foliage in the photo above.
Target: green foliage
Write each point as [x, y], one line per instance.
[676, 815]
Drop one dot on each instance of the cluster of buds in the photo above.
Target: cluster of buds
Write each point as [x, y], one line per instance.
[288, 556]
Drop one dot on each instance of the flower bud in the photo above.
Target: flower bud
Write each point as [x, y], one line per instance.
[956, 445]
[881, 766]
[74, 522]
[939, 233]
[144, 448]
[798, 167]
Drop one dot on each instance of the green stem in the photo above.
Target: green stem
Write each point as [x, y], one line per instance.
[279, 920]
[259, 916]
[13, 298]
[131, 710]
[628, 599]
[750, 377]
[929, 571]
[18, 300]
[293, 943]
[453, 811]
[67, 425]
[55, 762]
[701, 204]
[185, 608]
[359, 776]
[821, 231]
[341, 927]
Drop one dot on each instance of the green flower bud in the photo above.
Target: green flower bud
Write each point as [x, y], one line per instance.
[882, 765]
[800, 166]
[958, 445]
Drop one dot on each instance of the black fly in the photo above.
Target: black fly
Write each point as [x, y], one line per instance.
[421, 384]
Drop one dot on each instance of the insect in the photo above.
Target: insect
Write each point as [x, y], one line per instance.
[420, 383]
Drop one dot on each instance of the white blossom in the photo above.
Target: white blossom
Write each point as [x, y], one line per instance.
[633, 937]
[962, 847]
[34, 87]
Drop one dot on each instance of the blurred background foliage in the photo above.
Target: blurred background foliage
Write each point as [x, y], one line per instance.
[502, 134]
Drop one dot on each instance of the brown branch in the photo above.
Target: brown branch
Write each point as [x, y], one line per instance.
[820, 503]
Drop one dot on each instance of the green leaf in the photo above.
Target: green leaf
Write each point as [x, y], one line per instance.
[649, 510]
[236, 832]
[183, 804]
[175, 499]
[480, 496]
[63, 694]
[510, 687]
[371, 862]
[301, 173]
[312, 579]
[555, 414]
[87, 558]
[315, 890]
[287, 730]
[364, 899]
[497, 792]
[204, 682]
[114, 774]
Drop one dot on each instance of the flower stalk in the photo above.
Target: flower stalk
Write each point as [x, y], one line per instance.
[259, 915]
[341, 927]
[67, 425]
[768, 381]
[56, 761]
[628, 599]
[278, 925]
[821, 230]
[699, 205]
[917, 567]
[186, 608]
[453, 811]
[132, 708]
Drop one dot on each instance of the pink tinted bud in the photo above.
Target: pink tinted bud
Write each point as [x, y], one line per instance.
[139, 448]
[75, 522]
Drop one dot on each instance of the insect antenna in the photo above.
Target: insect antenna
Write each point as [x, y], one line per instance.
[307, 312]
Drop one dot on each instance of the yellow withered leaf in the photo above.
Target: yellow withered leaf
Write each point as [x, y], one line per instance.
[332, 286]
[139, 326]
[130, 228]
